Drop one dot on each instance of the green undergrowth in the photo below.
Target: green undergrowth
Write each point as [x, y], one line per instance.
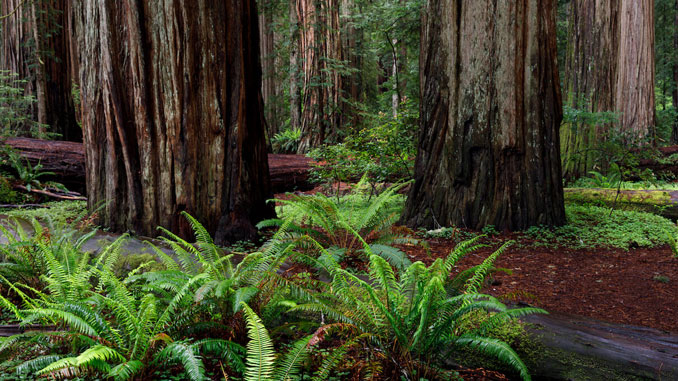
[57, 211]
[591, 226]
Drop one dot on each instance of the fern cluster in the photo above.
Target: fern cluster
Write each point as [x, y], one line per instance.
[343, 225]
[401, 322]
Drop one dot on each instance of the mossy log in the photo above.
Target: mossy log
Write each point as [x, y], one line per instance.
[578, 348]
[67, 161]
[661, 202]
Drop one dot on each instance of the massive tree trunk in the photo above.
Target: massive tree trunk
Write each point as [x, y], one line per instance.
[172, 114]
[320, 48]
[36, 44]
[609, 67]
[490, 111]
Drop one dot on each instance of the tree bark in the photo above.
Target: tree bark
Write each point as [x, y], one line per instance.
[320, 48]
[36, 42]
[268, 87]
[490, 111]
[295, 99]
[172, 115]
[674, 133]
[609, 67]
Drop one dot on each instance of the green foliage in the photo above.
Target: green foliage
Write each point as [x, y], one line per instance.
[58, 212]
[417, 316]
[384, 150]
[286, 141]
[15, 108]
[340, 225]
[28, 174]
[593, 226]
[7, 194]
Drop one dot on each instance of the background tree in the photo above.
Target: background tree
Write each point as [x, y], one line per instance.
[321, 56]
[609, 67]
[35, 44]
[172, 114]
[490, 112]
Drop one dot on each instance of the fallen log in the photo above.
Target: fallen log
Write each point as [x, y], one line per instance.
[579, 348]
[67, 161]
[661, 202]
[15, 329]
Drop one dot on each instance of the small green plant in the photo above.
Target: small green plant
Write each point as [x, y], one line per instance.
[490, 230]
[661, 278]
[343, 225]
[28, 174]
[286, 141]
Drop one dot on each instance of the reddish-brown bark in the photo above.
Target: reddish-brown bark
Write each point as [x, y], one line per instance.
[490, 112]
[36, 42]
[172, 114]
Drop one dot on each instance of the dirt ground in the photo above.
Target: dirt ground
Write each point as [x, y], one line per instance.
[635, 287]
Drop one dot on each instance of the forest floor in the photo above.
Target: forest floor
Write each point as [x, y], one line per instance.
[638, 286]
[635, 287]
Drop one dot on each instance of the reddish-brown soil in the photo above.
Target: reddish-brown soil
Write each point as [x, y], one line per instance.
[636, 287]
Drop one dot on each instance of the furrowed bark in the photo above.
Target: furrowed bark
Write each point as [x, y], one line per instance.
[172, 114]
[490, 112]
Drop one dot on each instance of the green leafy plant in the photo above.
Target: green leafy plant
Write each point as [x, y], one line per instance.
[27, 173]
[286, 141]
[15, 108]
[416, 316]
[343, 225]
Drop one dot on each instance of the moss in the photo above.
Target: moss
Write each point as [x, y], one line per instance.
[130, 262]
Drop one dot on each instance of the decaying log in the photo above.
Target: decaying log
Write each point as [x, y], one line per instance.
[662, 202]
[578, 348]
[67, 161]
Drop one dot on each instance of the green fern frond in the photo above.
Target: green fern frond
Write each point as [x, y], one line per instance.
[229, 350]
[260, 353]
[184, 354]
[126, 370]
[288, 367]
[474, 284]
[495, 348]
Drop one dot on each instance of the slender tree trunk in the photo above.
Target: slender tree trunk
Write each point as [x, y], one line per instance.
[321, 49]
[172, 114]
[352, 39]
[609, 67]
[268, 92]
[295, 99]
[395, 98]
[490, 112]
[674, 134]
[35, 44]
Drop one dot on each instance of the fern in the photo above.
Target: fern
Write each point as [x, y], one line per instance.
[260, 354]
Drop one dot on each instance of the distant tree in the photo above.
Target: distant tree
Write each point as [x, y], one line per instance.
[490, 112]
[609, 66]
[321, 61]
[35, 43]
[172, 114]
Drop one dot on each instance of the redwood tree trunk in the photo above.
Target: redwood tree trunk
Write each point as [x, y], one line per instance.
[295, 99]
[35, 44]
[268, 86]
[490, 111]
[320, 49]
[172, 114]
[674, 134]
[609, 67]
